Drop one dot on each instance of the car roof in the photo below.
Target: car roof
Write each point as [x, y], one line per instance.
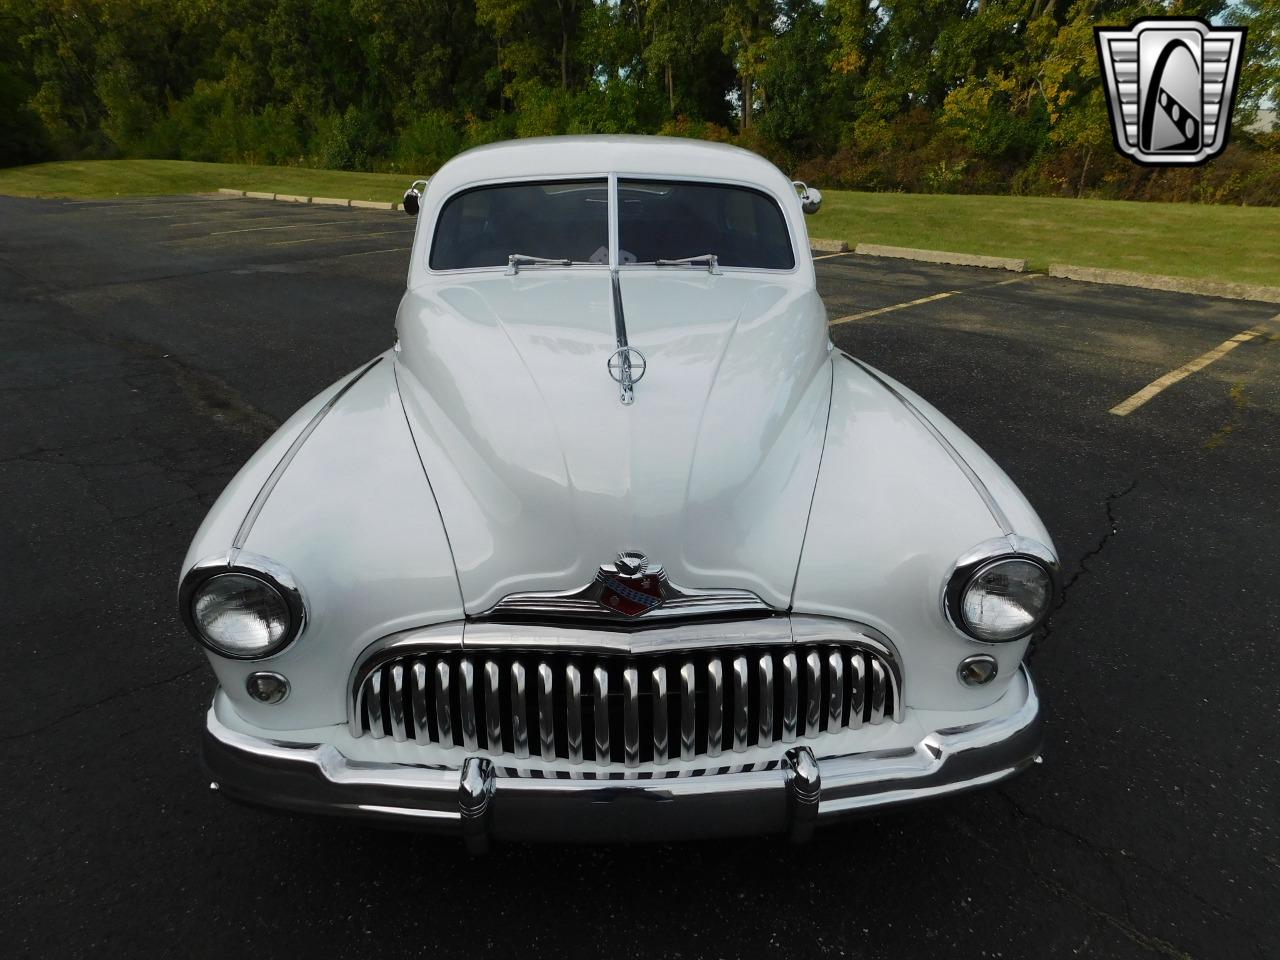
[586, 156]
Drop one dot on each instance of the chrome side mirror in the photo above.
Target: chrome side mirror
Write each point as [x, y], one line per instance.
[412, 201]
[810, 197]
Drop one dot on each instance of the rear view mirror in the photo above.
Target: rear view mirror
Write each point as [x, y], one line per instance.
[412, 201]
[810, 197]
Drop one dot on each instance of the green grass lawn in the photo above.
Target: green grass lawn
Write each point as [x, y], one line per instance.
[1239, 244]
[92, 179]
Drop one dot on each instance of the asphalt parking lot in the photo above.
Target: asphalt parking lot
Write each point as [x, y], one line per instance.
[150, 345]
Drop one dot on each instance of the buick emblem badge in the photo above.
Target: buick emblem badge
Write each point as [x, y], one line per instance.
[630, 587]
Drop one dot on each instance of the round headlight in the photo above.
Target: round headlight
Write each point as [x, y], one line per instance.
[241, 616]
[1006, 599]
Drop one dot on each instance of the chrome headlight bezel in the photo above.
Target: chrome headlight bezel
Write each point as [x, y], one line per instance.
[273, 575]
[964, 570]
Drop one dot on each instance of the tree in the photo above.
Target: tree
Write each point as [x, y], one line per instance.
[748, 37]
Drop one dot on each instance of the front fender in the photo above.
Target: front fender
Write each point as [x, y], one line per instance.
[892, 512]
[353, 519]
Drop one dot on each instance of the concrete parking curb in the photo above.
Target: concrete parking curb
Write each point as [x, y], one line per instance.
[828, 246]
[1147, 281]
[320, 201]
[941, 256]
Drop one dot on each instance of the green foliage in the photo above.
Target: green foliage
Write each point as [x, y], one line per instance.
[934, 96]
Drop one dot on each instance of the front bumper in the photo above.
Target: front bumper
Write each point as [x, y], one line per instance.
[481, 801]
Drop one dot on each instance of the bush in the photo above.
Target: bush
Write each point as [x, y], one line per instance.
[22, 136]
[345, 141]
[426, 142]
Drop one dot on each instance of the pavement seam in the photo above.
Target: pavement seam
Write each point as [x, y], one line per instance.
[105, 700]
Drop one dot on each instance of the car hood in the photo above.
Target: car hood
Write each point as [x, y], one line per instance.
[542, 475]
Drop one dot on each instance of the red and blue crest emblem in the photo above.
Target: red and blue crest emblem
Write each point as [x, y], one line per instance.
[629, 586]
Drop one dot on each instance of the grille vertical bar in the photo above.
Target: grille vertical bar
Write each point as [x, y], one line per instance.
[858, 686]
[546, 712]
[741, 706]
[573, 711]
[519, 710]
[631, 715]
[764, 728]
[397, 704]
[688, 710]
[715, 707]
[444, 716]
[600, 713]
[835, 688]
[790, 697]
[879, 692]
[661, 742]
[418, 684]
[373, 705]
[467, 704]
[492, 708]
[729, 700]
[812, 693]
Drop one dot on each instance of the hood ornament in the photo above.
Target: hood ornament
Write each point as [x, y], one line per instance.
[626, 364]
[631, 587]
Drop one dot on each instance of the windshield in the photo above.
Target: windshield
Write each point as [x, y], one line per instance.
[671, 220]
[553, 220]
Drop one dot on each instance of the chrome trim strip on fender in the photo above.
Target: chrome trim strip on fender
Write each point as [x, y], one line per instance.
[997, 513]
[260, 501]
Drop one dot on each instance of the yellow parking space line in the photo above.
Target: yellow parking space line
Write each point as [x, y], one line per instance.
[339, 237]
[287, 226]
[828, 256]
[365, 253]
[1157, 387]
[937, 296]
[896, 306]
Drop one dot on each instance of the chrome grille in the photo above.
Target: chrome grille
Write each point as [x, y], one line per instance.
[627, 710]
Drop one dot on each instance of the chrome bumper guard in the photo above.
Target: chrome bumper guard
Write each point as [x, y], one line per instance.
[480, 802]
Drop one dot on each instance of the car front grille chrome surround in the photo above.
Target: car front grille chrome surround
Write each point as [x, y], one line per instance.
[623, 710]
[633, 589]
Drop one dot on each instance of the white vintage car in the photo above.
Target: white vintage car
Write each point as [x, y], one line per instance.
[613, 543]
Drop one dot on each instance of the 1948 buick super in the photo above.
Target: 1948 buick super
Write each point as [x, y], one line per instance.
[613, 543]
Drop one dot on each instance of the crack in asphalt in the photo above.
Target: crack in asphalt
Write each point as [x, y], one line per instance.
[1082, 565]
[120, 694]
[1107, 853]
[1126, 927]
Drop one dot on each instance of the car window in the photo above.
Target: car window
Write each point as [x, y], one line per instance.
[669, 220]
[560, 220]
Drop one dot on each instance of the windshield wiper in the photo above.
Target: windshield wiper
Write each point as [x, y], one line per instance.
[710, 259]
[516, 259]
